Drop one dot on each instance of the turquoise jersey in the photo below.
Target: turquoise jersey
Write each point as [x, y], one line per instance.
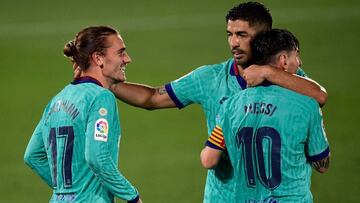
[75, 146]
[209, 86]
[271, 134]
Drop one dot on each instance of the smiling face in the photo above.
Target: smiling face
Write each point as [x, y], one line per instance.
[115, 60]
[239, 35]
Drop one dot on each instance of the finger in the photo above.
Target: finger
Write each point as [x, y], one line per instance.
[75, 66]
[77, 72]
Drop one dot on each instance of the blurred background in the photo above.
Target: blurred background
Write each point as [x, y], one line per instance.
[159, 151]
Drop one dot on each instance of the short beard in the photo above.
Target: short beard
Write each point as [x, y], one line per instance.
[245, 64]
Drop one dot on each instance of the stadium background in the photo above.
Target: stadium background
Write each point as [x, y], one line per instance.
[166, 39]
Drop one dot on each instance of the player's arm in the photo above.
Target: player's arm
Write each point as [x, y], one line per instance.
[317, 150]
[99, 145]
[255, 75]
[213, 150]
[35, 156]
[138, 95]
[210, 157]
[143, 96]
[100, 161]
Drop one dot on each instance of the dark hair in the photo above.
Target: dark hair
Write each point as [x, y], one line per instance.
[256, 14]
[266, 45]
[87, 41]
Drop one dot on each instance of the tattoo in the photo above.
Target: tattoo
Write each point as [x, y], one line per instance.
[162, 90]
[321, 165]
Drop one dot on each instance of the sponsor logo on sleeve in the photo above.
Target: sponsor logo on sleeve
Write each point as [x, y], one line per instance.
[101, 130]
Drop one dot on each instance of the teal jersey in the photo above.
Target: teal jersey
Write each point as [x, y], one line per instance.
[271, 134]
[209, 86]
[75, 146]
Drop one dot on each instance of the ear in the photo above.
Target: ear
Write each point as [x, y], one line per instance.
[283, 61]
[97, 59]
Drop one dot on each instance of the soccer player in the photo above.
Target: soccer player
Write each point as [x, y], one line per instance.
[75, 146]
[272, 135]
[209, 85]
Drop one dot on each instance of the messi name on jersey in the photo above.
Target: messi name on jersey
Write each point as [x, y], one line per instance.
[260, 108]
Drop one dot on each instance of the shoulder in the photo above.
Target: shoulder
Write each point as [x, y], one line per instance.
[296, 98]
[207, 73]
[104, 94]
[215, 68]
[93, 93]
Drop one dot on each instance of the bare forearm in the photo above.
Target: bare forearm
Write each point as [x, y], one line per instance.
[298, 84]
[142, 96]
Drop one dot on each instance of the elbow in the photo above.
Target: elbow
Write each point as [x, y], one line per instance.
[28, 158]
[322, 98]
[149, 107]
[90, 161]
[95, 160]
[207, 161]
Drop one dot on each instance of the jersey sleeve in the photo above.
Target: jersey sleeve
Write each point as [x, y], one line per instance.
[216, 139]
[317, 146]
[35, 154]
[188, 89]
[100, 142]
[301, 72]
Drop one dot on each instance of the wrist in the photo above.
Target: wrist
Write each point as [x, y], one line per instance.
[268, 72]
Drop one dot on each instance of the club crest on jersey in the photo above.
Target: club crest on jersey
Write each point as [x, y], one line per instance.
[101, 130]
[102, 111]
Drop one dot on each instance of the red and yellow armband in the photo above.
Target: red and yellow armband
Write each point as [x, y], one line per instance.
[216, 139]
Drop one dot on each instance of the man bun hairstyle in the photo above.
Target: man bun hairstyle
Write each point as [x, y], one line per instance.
[87, 41]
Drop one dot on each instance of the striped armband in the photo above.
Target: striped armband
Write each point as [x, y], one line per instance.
[216, 139]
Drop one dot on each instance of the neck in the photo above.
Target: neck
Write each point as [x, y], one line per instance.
[96, 75]
[240, 69]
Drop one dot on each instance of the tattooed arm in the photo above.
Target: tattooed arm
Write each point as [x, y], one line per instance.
[143, 96]
[138, 95]
[322, 165]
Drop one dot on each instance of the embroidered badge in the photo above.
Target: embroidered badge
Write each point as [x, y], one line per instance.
[102, 111]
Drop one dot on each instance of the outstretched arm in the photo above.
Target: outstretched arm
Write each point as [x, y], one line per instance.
[143, 96]
[138, 95]
[254, 75]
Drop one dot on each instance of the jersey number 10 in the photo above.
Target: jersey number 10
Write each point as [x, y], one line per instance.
[253, 148]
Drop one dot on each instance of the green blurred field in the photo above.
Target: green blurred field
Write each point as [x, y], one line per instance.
[166, 39]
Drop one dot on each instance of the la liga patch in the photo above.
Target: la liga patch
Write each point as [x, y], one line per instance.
[101, 130]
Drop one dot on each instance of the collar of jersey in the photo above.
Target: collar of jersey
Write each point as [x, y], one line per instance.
[235, 72]
[86, 79]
